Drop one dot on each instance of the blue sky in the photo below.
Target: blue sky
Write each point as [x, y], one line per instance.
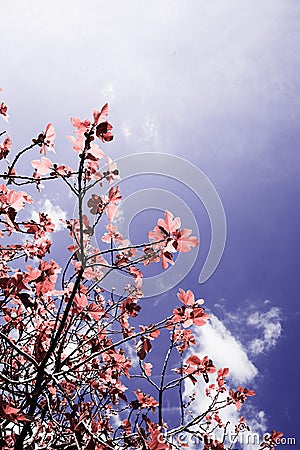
[216, 83]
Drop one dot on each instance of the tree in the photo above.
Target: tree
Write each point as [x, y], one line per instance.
[66, 345]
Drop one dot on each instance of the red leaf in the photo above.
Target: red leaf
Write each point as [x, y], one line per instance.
[143, 347]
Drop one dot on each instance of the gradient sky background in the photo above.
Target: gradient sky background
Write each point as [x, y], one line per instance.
[217, 83]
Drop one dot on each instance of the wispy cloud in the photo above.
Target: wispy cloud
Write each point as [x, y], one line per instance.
[269, 328]
[126, 129]
[260, 320]
[226, 350]
[53, 211]
[151, 128]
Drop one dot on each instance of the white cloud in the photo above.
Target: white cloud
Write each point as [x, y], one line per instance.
[109, 93]
[53, 211]
[131, 354]
[216, 341]
[258, 422]
[269, 326]
[259, 320]
[126, 130]
[151, 128]
[225, 350]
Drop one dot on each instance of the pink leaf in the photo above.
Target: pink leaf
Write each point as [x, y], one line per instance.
[43, 167]
[186, 297]
[184, 241]
[102, 115]
[169, 224]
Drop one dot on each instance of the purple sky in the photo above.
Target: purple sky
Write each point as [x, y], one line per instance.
[216, 83]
